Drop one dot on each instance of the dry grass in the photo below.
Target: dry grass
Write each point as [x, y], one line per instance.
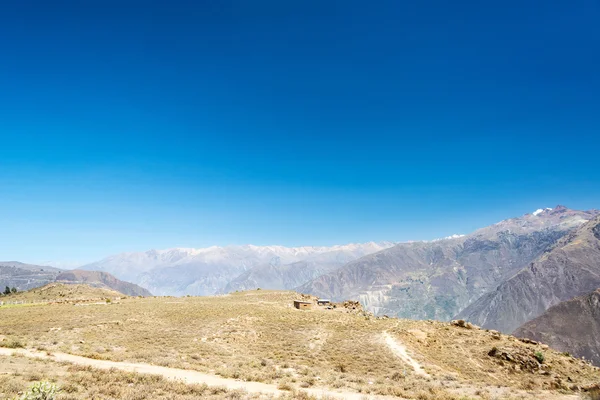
[258, 336]
[63, 292]
[88, 383]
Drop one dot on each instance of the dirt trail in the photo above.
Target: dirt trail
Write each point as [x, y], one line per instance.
[187, 376]
[400, 350]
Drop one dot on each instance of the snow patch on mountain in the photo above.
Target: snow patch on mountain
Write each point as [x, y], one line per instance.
[455, 236]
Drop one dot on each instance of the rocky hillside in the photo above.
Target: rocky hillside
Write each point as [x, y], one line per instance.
[217, 269]
[27, 276]
[572, 326]
[438, 279]
[101, 280]
[570, 268]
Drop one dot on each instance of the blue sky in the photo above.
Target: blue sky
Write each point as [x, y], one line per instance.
[134, 125]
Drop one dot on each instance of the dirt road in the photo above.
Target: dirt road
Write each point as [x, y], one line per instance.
[400, 350]
[187, 376]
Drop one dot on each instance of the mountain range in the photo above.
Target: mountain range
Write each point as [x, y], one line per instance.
[503, 276]
[215, 269]
[469, 276]
[439, 279]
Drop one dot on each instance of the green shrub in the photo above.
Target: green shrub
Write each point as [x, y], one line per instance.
[12, 344]
[539, 356]
[41, 391]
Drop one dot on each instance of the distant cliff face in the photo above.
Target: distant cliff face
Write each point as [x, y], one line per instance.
[572, 326]
[437, 280]
[570, 268]
[101, 279]
[25, 276]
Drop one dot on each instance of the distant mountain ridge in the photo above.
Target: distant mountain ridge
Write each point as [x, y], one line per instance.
[210, 270]
[435, 279]
[289, 276]
[439, 279]
[28, 276]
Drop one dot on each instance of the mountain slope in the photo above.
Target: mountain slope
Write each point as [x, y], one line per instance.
[28, 276]
[25, 276]
[101, 280]
[209, 270]
[276, 276]
[65, 292]
[571, 268]
[572, 326]
[438, 279]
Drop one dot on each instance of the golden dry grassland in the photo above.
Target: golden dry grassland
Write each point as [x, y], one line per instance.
[259, 336]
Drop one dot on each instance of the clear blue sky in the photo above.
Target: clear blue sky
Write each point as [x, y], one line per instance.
[134, 125]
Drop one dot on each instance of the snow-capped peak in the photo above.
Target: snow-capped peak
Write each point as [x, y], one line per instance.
[455, 236]
[541, 210]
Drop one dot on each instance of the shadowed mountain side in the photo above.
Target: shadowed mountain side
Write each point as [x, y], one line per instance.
[572, 326]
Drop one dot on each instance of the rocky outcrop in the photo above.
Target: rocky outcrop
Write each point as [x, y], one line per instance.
[571, 326]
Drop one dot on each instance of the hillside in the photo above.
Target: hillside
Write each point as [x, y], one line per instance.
[27, 276]
[258, 337]
[438, 279]
[570, 268]
[572, 326]
[63, 292]
[103, 280]
[215, 269]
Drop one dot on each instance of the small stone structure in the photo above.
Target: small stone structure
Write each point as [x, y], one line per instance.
[302, 305]
[323, 302]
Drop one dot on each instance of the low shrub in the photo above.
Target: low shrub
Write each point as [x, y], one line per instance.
[13, 344]
[540, 357]
[41, 391]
